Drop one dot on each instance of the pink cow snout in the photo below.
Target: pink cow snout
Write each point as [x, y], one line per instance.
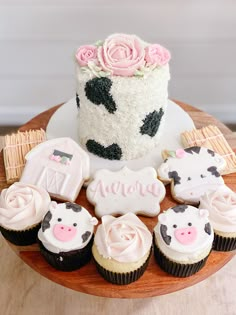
[186, 236]
[64, 233]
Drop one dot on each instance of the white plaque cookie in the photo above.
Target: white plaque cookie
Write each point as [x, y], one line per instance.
[139, 192]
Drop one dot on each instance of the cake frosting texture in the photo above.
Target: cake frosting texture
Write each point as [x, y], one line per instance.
[121, 96]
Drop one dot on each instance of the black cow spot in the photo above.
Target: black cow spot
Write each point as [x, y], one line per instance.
[112, 152]
[212, 153]
[165, 236]
[174, 175]
[97, 91]
[73, 206]
[193, 149]
[85, 236]
[179, 208]
[46, 220]
[151, 123]
[213, 171]
[207, 228]
[77, 100]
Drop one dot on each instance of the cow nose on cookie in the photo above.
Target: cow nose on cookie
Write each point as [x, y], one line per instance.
[186, 236]
[64, 233]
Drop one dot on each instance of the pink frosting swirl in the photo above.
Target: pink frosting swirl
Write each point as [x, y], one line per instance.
[221, 205]
[125, 239]
[121, 54]
[22, 206]
[157, 54]
[85, 54]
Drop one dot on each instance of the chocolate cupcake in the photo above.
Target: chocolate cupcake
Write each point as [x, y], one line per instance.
[66, 236]
[22, 208]
[221, 205]
[183, 240]
[122, 247]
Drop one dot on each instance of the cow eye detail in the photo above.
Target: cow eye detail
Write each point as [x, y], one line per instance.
[189, 178]
[174, 226]
[189, 224]
[59, 219]
[75, 224]
[203, 176]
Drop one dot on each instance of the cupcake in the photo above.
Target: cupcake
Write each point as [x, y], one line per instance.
[183, 240]
[22, 208]
[122, 247]
[66, 236]
[221, 205]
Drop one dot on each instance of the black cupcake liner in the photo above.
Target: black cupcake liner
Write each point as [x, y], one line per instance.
[177, 269]
[22, 238]
[67, 261]
[224, 244]
[122, 278]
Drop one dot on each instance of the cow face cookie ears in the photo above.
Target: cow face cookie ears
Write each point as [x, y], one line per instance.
[191, 172]
[126, 191]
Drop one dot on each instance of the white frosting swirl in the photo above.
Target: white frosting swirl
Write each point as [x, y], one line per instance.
[22, 206]
[124, 239]
[221, 205]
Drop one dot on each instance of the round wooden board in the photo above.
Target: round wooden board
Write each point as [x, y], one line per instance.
[154, 282]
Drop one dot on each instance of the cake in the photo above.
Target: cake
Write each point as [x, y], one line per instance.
[183, 240]
[121, 96]
[122, 248]
[22, 208]
[66, 236]
[221, 205]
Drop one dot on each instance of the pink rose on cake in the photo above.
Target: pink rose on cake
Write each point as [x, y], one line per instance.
[157, 54]
[121, 54]
[85, 54]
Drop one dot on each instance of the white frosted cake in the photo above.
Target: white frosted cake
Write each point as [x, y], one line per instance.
[121, 96]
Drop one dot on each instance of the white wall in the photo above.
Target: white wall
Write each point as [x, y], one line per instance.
[38, 39]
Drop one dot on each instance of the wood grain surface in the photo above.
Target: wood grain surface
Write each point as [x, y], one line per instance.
[154, 282]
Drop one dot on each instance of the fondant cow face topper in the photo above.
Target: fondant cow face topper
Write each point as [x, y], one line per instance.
[126, 191]
[67, 226]
[192, 172]
[185, 228]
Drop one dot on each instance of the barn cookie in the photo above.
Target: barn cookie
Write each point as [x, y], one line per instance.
[183, 240]
[66, 235]
[126, 191]
[191, 172]
[60, 166]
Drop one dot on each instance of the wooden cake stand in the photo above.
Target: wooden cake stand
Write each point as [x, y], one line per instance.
[154, 282]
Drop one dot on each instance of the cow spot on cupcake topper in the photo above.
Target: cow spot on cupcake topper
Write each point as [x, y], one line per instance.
[97, 91]
[126, 191]
[191, 172]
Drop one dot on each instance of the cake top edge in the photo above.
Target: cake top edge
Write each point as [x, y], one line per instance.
[121, 55]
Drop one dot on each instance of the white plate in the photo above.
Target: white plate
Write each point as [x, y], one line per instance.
[64, 123]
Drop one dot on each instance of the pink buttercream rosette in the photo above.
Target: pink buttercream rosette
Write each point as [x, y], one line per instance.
[123, 55]
[125, 239]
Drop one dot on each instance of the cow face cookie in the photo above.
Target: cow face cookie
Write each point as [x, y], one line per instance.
[184, 232]
[192, 172]
[126, 191]
[66, 227]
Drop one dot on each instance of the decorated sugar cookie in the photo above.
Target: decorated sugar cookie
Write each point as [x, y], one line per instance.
[126, 191]
[191, 172]
[58, 165]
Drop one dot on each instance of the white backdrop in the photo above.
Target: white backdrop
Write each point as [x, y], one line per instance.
[38, 39]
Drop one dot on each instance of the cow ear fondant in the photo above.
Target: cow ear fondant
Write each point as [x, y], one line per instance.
[94, 221]
[52, 205]
[164, 170]
[162, 218]
[203, 213]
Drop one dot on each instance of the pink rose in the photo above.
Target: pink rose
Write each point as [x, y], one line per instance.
[157, 54]
[85, 54]
[121, 54]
